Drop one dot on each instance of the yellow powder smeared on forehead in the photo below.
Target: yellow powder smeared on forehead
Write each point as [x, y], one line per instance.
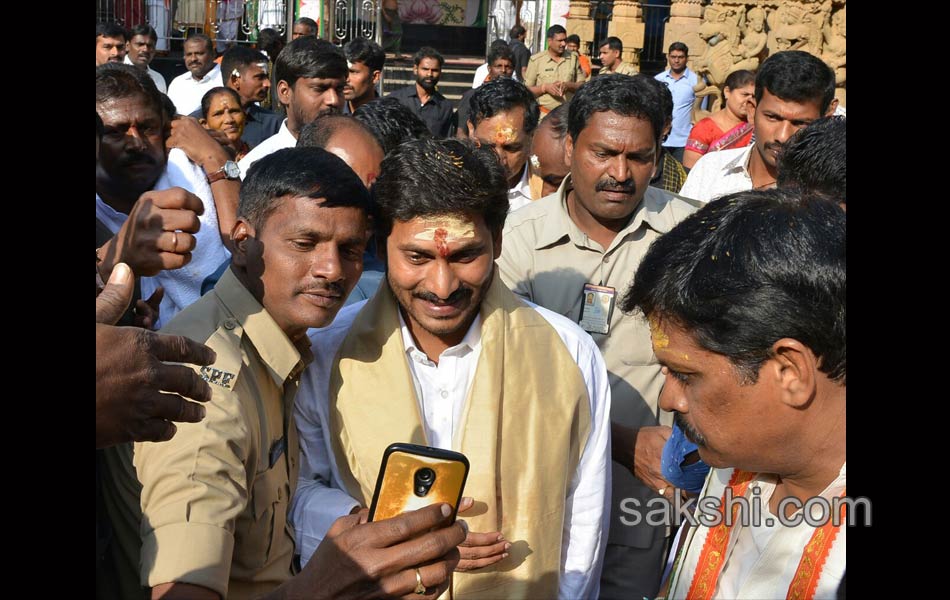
[452, 229]
[660, 339]
[505, 133]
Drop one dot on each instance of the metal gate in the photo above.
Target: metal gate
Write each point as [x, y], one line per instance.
[502, 17]
[225, 21]
[352, 19]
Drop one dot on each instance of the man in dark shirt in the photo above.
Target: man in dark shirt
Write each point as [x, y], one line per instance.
[521, 52]
[423, 99]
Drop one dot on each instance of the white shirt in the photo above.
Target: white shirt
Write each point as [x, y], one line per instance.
[155, 75]
[482, 72]
[719, 173]
[320, 498]
[280, 140]
[520, 195]
[186, 92]
[182, 286]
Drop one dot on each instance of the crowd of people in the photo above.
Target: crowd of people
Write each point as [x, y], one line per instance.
[536, 280]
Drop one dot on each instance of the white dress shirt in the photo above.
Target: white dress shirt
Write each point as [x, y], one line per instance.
[186, 92]
[482, 72]
[280, 140]
[719, 173]
[520, 195]
[442, 390]
[155, 75]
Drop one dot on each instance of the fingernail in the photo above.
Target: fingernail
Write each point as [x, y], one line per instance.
[446, 510]
[201, 412]
[463, 524]
[121, 274]
[500, 537]
[507, 546]
[505, 555]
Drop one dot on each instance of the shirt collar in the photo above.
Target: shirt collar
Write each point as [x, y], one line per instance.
[559, 223]
[470, 343]
[282, 357]
[215, 70]
[740, 162]
[523, 187]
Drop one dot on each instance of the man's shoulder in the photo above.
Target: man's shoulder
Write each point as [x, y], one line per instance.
[404, 92]
[179, 79]
[207, 322]
[326, 340]
[669, 207]
[578, 342]
[539, 56]
[527, 220]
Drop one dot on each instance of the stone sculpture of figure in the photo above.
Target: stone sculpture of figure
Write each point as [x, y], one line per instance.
[798, 25]
[720, 31]
[754, 38]
[835, 51]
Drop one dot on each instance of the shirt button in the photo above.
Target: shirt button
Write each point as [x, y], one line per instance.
[230, 324]
[445, 394]
[606, 259]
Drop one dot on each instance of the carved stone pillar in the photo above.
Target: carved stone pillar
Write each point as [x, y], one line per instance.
[683, 26]
[579, 22]
[627, 24]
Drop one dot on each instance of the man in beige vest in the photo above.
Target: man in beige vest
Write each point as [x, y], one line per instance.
[588, 237]
[444, 355]
[214, 500]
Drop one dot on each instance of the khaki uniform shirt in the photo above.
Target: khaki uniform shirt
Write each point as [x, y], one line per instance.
[624, 68]
[542, 68]
[547, 259]
[215, 498]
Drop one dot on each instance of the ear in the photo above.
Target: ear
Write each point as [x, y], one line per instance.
[284, 92]
[568, 150]
[471, 131]
[203, 121]
[241, 234]
[376, 75]
[234, 82]
[795, 369]
[832, 108]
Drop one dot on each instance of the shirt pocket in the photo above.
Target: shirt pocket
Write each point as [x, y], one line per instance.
[269, 504]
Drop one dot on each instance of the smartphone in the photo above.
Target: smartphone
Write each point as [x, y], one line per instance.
[413, 476]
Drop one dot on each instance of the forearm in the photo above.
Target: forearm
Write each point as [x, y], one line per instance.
[226, 193]
[623, 440]
[572, 86]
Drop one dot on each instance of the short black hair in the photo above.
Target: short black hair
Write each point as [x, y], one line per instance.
[144, 29]
[678, 46]
[557, 121]
[299, 172]
[309, 23]
[500, 52]
[748, 269]
[269, 40]
[573, 39]
[391, 122]
[119, 80]
[427, 52]
[429, 177]
[813, 160]
[237, 58]
[215, 91]
[318, 132]
[100, 127]
[201, 37]
[630, 96]
[796, 76]
[112, 30]
[311, 58]
[554, 30]
[502, 95]
[613, 42]
[516, 32]
[367, 52]
[665, 97]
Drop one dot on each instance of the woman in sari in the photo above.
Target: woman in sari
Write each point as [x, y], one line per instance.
[729, 127]
[221, 111]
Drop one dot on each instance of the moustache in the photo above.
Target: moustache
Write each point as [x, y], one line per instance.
[612, 185]
[138, 159]
[688, 430]
[777, 146]
[462, 293]
[331, 288]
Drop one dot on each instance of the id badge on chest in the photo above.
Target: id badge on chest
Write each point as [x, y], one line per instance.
[597, 304]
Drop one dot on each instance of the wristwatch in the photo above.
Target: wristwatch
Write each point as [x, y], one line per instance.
[230, 170]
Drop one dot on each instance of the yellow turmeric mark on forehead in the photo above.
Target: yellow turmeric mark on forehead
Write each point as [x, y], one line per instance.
[505, 133]
[660, 339]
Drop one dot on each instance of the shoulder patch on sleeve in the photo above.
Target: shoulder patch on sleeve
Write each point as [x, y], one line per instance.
[226, 342]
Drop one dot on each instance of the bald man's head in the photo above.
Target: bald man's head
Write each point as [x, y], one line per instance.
[347, 138]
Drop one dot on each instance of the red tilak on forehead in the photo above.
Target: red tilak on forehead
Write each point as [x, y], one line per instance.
[439, 237]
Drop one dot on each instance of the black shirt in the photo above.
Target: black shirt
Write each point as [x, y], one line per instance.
[437, 113]
[522, 56]
[465, 109]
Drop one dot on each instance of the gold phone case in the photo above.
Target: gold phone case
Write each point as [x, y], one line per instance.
[399, 478]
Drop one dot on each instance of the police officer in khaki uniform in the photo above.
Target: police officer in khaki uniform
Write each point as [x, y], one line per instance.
[554, 74]
[215, 499]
